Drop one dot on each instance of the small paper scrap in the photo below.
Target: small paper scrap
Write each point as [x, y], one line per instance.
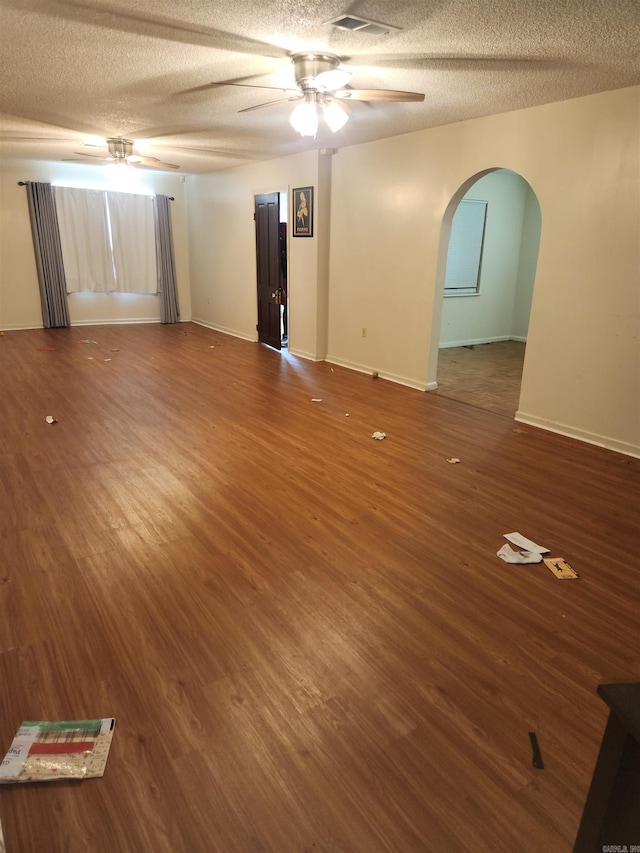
[379, 435]
[454, 460]
[507, 554]
[524, 543]
[51, 420]
[561, 569]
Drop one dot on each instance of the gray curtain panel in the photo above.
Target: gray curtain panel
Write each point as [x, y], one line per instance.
[48, 253]
[169, 309]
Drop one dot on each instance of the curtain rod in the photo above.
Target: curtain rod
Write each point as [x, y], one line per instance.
[24, 184]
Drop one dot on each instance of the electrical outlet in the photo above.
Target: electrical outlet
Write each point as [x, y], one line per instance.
[364, 332]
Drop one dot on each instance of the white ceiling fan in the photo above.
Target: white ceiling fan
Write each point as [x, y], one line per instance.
[120, 152]
[322, 83]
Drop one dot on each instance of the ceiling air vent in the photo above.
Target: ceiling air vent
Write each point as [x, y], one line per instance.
[361, 25]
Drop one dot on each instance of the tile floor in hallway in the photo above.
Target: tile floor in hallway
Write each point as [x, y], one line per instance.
[487, 376]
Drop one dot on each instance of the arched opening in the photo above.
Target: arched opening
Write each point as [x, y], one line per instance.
[484, 290]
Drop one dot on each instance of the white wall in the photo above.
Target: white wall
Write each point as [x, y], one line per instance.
[528, 263]
[499, 311]
[223, 251]
[582, 365]
[384, 216]
[19, 291]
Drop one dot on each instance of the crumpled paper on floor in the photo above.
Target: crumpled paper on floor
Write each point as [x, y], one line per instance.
[507, 554]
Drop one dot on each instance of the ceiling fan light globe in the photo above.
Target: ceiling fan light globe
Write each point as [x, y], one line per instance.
[304, 119]
[335, 116]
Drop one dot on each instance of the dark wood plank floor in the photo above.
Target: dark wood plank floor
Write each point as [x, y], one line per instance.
[305, 635]
[488, 376]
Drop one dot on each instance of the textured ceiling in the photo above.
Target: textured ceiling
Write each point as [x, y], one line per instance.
[142, 69]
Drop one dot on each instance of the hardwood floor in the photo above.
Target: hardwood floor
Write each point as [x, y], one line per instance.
[305, 635]
[488, 376]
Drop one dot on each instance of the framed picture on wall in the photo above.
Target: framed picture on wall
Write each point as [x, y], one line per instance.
[303, 212]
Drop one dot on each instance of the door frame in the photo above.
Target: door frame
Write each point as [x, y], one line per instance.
[443, 250]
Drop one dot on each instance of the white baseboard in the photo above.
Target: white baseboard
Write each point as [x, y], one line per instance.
[308, 356]
[21, 327]
[391, 377]
[122, 321]
[579, 434]
[234, 333]
[98, 322]
[474, 341]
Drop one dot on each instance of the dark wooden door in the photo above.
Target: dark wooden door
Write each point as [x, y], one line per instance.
[267, 215]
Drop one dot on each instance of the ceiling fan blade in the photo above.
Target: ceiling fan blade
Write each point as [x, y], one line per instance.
[110, 16]
[218, 84]
[154, 163]
[158, 167]
[453, 62]
[138, 158]
[203, 150]
[197, 149]
[270, 104]
[256, 86]
[101, 161]
[36, 139]
[95, 156]
[377, 95]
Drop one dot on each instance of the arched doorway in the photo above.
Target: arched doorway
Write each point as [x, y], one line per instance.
[486, 272]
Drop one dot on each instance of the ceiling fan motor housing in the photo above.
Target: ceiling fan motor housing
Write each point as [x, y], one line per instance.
[308, 66]
[120, 149]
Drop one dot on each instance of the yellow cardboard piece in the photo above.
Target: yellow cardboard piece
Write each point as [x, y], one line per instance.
[560, 568]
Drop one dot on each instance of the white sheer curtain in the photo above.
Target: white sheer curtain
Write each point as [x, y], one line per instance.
[133, 238]
[84, 236]
[108, 241]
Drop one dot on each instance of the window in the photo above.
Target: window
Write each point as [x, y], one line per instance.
[108, 241]
[464, 257]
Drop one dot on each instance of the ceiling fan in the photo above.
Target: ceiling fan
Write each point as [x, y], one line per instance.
[322, 83]
[120, 152]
